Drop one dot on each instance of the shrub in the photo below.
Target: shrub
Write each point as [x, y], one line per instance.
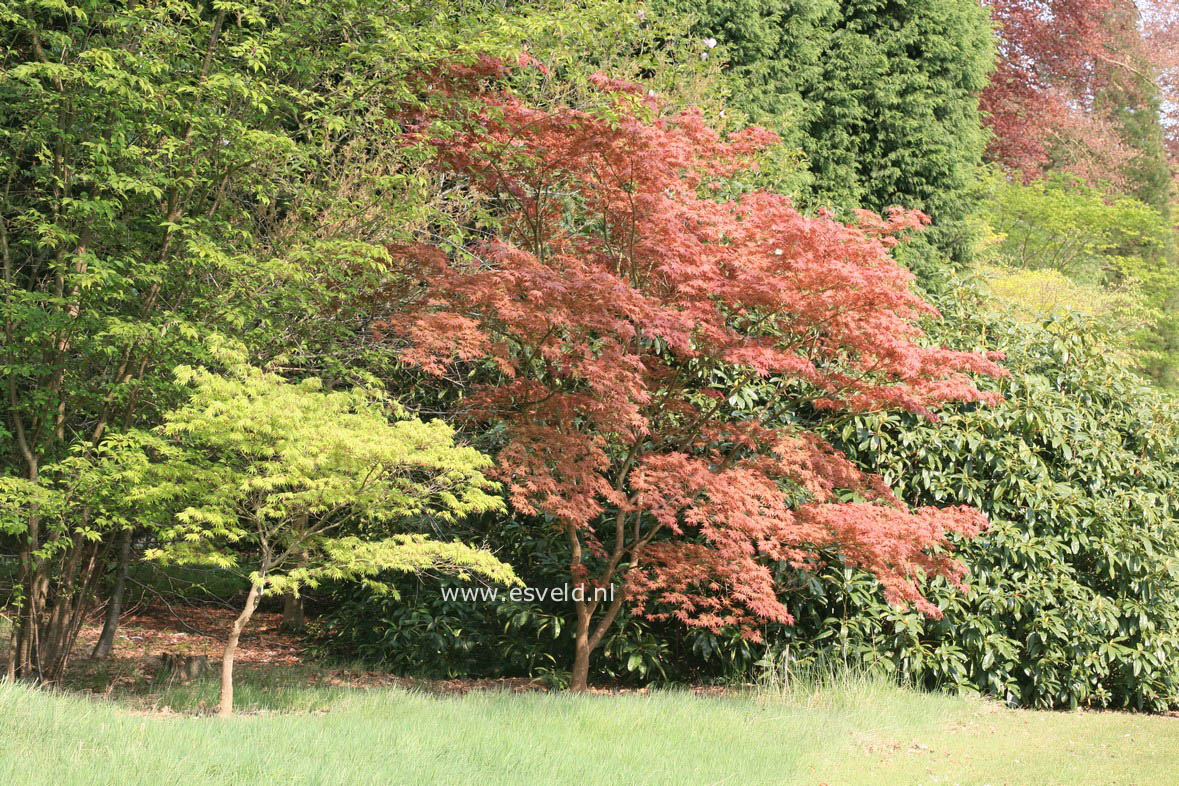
[1075, 589]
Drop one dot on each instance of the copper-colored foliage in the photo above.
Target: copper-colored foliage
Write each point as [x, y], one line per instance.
[624, 298]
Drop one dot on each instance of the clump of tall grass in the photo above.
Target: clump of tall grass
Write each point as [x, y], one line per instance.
[820, 682]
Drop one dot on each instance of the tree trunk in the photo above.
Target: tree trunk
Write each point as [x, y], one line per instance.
[26, 622]
[292, 604]
[226, 708]
[579, 679]
[29, 648]
[292, 612]
[10, 665]
[114, 607]
[76, 604]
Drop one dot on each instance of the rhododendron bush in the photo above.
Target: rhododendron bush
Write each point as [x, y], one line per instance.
[609, 318]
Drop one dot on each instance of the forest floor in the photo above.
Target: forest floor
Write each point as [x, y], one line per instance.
[302, 722]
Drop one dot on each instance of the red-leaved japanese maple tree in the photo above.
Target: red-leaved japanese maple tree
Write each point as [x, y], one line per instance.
[611, 317]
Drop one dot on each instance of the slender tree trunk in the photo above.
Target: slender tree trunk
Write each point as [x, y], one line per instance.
[586, 641]
[226, 708]
[27, 621]
[85, 604]
[74, 606]
[65, 593]
[114, 607]
[579, 679]
[23, 659]
[292, 612]
[10, 665]
[29, 666]
[292, 604]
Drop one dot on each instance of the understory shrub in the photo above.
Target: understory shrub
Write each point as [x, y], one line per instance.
[1075, 590]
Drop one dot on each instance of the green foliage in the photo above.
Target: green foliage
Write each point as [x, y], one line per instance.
[183, 584]
[881, 97]
[1115, 246]
[1060, 223]
[1075, 597]
[175, 170]
[422, 631]
[313, 479]
[172, 172]
[1134, 103]
[428, 635]
[622, 38]
[96, 490]
[1036, 295]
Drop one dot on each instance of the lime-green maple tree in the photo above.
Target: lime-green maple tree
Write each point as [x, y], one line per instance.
[311, 485]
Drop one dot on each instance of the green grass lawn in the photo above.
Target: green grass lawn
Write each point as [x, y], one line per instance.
[859, 732]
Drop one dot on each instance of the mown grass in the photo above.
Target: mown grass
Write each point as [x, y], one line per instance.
[856, 731]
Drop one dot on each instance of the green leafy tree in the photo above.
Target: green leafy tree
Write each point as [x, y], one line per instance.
[85, 504]
[309, 484]
[882, 97]
[1060, 223]
[1116, 244]
[175, 170]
